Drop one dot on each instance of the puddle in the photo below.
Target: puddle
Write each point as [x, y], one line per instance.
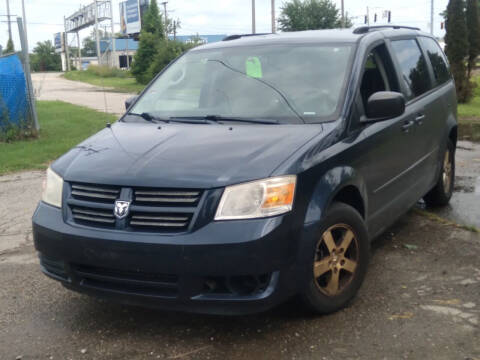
[464, 207]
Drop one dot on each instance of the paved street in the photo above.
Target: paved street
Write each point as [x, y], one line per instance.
[52, 86]
[420, 299]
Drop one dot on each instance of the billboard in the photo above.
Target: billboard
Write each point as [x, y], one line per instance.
[58, 42]
[130, 22]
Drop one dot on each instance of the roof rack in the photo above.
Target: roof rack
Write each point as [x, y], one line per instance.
[239, 36]
[366, 29]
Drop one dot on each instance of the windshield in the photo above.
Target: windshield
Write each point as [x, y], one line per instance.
[289, 84]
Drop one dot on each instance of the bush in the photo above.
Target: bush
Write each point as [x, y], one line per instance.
[107, 71]
[165, 55]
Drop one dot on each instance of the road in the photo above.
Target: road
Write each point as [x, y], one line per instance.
[420, 299]
[52, 86]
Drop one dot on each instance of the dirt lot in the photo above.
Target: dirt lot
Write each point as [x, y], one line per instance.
[52, 86]
[420, 300]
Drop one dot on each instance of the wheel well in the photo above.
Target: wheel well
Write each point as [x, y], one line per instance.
[351, 196]
[453, 136]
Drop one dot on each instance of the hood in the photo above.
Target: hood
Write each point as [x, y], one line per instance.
[182, 155]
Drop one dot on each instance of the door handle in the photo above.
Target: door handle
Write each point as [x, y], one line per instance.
[419, 119]
[407, 124]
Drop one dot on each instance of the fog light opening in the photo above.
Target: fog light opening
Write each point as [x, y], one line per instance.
[243, 285]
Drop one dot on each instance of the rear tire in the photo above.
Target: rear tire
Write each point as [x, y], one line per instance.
[442, 192]
[339, 260]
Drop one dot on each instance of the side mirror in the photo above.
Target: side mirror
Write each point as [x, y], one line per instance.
[385, 105]
[130, 101]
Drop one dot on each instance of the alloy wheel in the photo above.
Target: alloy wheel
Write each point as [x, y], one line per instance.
[447, 172]
[336, 259]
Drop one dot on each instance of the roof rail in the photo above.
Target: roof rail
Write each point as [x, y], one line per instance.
[366, 29]
[239, 36]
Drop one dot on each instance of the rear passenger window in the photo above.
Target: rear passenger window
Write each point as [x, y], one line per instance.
[413, 67]
[437, 59]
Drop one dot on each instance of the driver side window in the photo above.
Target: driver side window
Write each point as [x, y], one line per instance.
[378, 74]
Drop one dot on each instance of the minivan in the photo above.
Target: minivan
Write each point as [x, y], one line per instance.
[254, 170]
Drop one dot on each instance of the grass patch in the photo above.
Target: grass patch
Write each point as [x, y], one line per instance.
[118, 80]
[469, 116]
[443, 221]
[472, 108]
[62, 125]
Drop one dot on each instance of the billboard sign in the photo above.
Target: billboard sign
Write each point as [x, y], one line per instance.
[58, 42]
[130, 22]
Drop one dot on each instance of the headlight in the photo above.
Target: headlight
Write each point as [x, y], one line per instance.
[256, 199]
[52, 189]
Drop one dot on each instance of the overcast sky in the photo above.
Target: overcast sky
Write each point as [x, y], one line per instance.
[45, 17]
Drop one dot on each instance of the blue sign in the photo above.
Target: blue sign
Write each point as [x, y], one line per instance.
[130, 17]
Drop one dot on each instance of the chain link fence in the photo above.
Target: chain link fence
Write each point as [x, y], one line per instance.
[18, 116]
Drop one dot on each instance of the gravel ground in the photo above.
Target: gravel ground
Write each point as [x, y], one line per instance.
[420, 300]
[52, 86]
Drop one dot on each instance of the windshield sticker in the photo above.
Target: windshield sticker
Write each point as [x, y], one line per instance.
[253, 67]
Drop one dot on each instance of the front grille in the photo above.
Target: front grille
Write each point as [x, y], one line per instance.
[166, 197]
[169, 221]
[151, 210]
[95, 192]
[127, 281]
[93, 216]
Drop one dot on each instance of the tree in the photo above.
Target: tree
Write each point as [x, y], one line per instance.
[151, 37]
[300, 15]
[152, 21]
[148, 48]
[89, 46]
[456, 46]
[10, 48]
[165, 55]
[473, 29]
[44, 57]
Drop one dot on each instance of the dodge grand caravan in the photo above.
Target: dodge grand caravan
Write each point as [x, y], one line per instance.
[253, 170]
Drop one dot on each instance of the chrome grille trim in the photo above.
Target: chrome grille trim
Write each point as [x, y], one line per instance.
[94, 192]
[165, 199]
[164, 196]
[157, 224]
[94, 219]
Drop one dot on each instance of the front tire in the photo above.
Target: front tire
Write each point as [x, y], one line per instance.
[339, 260]
[442, 192]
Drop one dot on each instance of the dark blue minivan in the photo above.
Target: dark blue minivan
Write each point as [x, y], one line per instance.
[254, 170]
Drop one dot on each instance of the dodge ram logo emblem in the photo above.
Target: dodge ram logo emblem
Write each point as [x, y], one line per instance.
[121, 209]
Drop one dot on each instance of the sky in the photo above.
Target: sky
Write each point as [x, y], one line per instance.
[45, 17]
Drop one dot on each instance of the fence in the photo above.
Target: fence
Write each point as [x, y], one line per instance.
[13, 92]
[17, 103]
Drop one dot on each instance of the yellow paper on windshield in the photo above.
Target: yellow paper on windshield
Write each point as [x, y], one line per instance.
[253, 67]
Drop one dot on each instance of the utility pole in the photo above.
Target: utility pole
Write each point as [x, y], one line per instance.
[96, 33]
[65, 43]
[28, 75]
[273, 16]
[79, 54]
[253, 17]
[114, 50]
[166, 23]
[343, 14]
[368, 16]
[432, 9]
[8, 21]
[174, 30]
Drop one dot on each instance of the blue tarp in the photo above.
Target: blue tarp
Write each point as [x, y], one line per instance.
[13, 91]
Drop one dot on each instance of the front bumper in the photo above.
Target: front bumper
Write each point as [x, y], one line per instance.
[225, 267]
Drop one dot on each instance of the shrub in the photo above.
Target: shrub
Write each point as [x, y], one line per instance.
[107, 71]
[170, 51]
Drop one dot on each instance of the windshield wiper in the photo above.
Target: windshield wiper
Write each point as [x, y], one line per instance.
[149, 117]
[219, 118]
